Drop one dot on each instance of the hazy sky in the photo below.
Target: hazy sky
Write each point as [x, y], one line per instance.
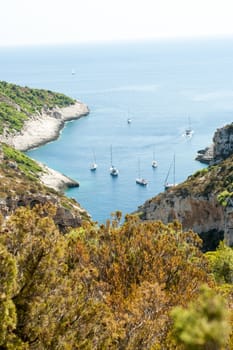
[68, 21]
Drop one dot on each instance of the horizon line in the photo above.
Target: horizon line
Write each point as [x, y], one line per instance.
[119, 41]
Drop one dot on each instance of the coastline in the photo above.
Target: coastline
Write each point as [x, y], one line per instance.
[44, 127]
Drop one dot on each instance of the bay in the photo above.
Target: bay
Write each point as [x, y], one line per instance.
[158, 84]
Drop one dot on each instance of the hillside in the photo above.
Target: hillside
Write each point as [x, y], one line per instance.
[21, 185]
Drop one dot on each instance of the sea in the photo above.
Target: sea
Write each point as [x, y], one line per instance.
[160, 85]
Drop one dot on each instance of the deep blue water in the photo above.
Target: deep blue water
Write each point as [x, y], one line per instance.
[158, 84]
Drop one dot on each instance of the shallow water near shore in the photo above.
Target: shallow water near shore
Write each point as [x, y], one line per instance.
[158, 85]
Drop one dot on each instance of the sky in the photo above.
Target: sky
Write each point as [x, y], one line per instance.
[38, 22]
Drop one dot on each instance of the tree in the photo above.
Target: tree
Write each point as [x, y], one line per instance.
[8, 315]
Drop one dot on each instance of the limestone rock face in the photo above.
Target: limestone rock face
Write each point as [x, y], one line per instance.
[63, 218]
[198, 214]
[204, 216]
[223, 143]
[221, 148]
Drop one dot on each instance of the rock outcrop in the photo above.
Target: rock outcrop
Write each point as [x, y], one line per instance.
[63, 218]
[56, 180]
[221, 148]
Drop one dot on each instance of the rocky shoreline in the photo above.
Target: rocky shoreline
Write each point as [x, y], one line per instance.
[221, 148]
[205, 155]
[42, 128]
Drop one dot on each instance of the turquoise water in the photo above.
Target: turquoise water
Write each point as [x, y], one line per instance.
[159, 85]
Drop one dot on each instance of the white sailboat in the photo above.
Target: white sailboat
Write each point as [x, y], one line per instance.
[93, 165]
[189, 130]
[129, 120]
[154, 162]
[168, 185]
[113, 170]
[140, 180]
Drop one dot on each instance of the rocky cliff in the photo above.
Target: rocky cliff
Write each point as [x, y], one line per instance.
[21, 185]
[221, 148]
[202, 203]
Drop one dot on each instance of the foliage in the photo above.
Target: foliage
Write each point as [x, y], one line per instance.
[18, 103]
[141, 269]
[8, 317]
[223, 197]
[97, 287]
[200, 172]
[11, 117]
[28, 166]
[221, 262]
[203, 324]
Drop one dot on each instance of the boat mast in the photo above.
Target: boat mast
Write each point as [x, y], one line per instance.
[94, 157]
[174, 170]
[111, 154]
[139, 170]
[165, 182]
[173, 163]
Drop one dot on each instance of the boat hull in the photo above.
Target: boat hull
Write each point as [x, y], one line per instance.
[141, 182]
[114, 171]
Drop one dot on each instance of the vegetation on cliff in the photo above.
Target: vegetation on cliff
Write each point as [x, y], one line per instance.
[26, 165]
[18, 103]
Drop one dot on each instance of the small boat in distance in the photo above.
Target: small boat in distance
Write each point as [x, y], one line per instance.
[189, 130]
[113, 170]
[154, 162]
[73, 72]
[93, 165]
[140, 180]
[168, 185]
[129, 120]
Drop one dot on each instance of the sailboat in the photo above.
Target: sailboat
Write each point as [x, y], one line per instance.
[129, 120]
[168, 185]
[154, 162]
[189, 130]
[140, 180]
[93, 165]
[113, 170]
